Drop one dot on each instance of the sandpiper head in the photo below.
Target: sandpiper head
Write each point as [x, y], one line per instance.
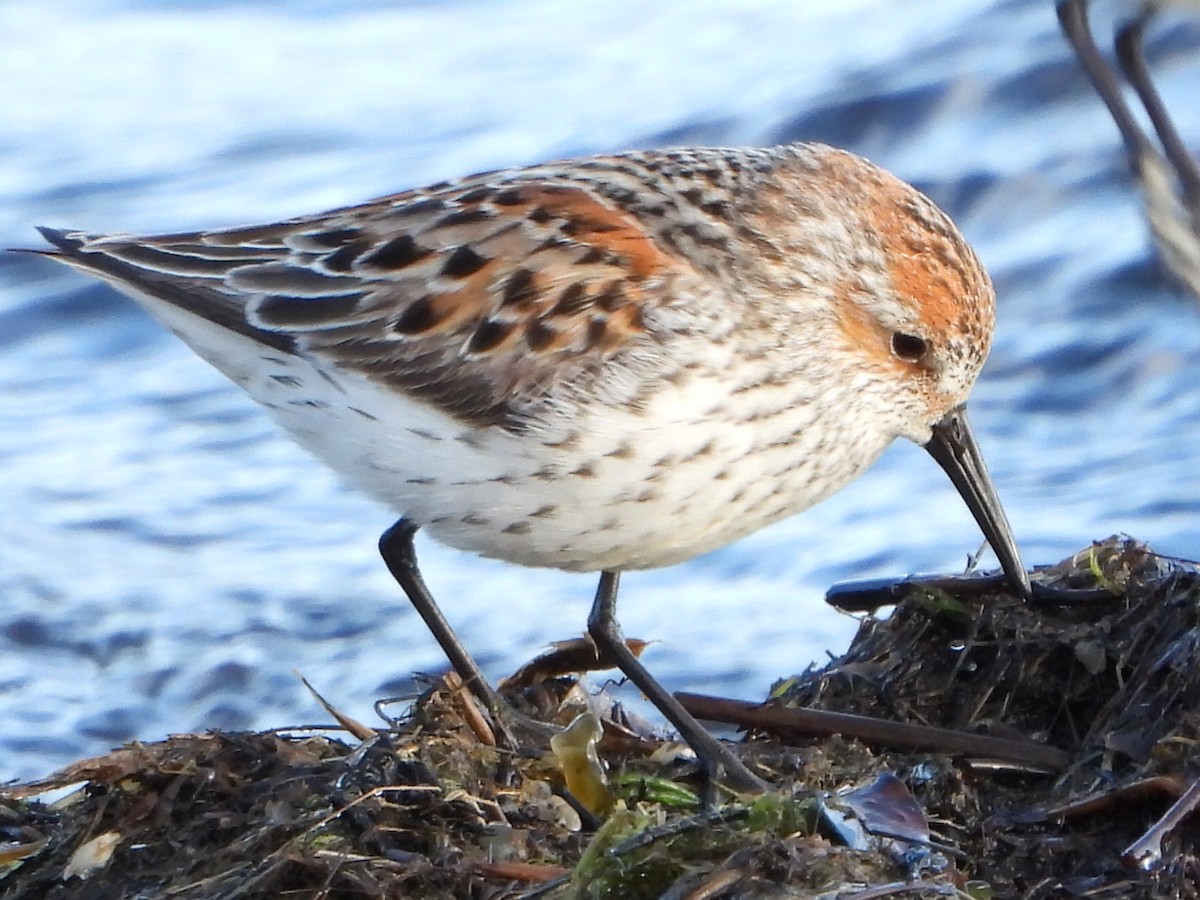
[905, 299]
[907, 304]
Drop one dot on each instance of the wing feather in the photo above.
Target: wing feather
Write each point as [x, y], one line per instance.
[477, 297]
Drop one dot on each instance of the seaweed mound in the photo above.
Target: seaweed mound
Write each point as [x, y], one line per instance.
[966, 745]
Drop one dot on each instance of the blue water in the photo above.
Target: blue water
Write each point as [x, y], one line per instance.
[167, 559]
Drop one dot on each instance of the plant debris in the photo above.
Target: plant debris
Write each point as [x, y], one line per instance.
[428, 808]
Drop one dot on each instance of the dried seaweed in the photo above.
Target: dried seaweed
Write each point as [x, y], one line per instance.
[427, 808]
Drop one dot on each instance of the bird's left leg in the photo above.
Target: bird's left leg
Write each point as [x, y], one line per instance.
[396, 548]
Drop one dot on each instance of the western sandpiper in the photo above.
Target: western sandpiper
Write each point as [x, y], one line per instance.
[596, 365]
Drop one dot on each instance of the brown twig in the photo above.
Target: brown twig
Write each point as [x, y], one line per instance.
[1104, 801]
[869, 595]
[1146, 852]
[468, 708]
[529, 873]
[819, 723]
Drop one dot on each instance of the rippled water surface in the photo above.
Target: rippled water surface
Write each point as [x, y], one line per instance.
[167, 558]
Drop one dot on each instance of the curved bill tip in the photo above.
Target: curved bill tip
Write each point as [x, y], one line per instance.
[953, 446]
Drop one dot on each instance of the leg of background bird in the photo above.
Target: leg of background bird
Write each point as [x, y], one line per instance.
[717, 759]
[1072, 15]
[396, 548]
[1132, 59]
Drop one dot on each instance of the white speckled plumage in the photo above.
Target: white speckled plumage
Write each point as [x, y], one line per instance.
[602, 364]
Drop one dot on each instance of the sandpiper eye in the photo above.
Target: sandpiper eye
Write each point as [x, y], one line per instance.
[909, 347]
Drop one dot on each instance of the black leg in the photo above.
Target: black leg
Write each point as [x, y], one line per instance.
[1132, 60]
[396, 548]
[717, 759]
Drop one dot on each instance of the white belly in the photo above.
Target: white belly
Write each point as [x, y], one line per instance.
[590, 486]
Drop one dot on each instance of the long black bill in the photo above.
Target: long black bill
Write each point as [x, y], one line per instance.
[953, 446]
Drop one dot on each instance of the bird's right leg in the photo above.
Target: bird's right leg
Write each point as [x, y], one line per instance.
[396, 548]
[717, 760]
